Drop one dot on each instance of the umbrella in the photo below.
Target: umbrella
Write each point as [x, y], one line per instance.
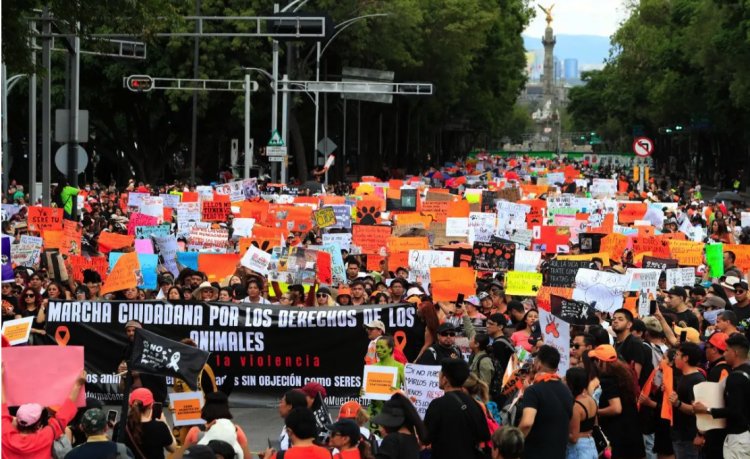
[728, 196]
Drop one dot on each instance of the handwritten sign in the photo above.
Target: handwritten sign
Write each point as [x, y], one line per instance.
[380, 382]
[325, 217]
[186, 408]
[422, 385]
[522, 283]
[341, 240]
[562, 273]
[124, 274]
[17, 331]
[600, 289]
[140, 219]
[45, 218]
[215, 211]
[447, 283]
[372, 239]
[683, 277]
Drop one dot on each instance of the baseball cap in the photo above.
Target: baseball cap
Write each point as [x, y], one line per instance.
[376, 324]
[719, 341]
[692, 334]
[604, 352]
[714, 301]
[29, 414]
[678, 291]
[93, 421]
[414, 291]
[142, 395]
[346, 428]
[483, 295]
[199, 452]
[445, 327]
[473, 300]
[652, 324]
[349, 410]
[312, 389]
[741, 285]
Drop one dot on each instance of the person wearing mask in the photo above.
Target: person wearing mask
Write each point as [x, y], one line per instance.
[384, 350]
[736, 399]
[455, 423]
[145, 436]
[675, 301]
[507, 443]
[684, 429]
[98, 445]
[347, 439]
[302, 428]
[618, 412]
[400, 427]
[546, 409]
[292, 399]
[445, 348]
[580, 441]
[375, 329]
[28, 436]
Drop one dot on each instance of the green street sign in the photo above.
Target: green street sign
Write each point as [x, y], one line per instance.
[276, 140]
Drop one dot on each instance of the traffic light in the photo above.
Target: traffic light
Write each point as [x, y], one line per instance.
[139, 83]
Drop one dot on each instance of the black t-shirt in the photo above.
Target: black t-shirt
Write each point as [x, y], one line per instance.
[98, 450]
[154, 438]
[437, 353]
[684, 428]
[742, 312]
[456, 425]
[632, 350]
[688, 317]
[502, 350]
[624, 430]
[736, 400]
[398, 446]
[548, 437]
[715, 369]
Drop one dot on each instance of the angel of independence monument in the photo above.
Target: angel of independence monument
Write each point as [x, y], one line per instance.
[547, 118]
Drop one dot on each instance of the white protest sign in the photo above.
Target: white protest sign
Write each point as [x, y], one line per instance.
[710, 394]
[187, 211]
[745, 219]
[600, 289]
[556, 333]
[234, 190]
[153, 206]
[135, 199]
[243, 227]
[170, 200]
[456, 227]
[425, 259]
[342, 240]
[603, 187]
[206, 192]
[642, 279]
[526, 260]
[17, 331]
[422, 385]
[256, 260]
[379, 382]
[167, 246]
[683, 277]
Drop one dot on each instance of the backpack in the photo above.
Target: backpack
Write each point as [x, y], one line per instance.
[61, 446]
[509, 414]
[496, 383]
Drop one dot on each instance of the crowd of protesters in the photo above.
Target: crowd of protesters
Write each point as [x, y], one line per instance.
[629, 391]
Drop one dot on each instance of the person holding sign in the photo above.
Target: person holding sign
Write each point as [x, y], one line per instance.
[32, 306]
[384, 347]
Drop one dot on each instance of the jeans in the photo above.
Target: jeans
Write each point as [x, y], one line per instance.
[737, 446]
[648, 442]
[584, 448]
[684, 449]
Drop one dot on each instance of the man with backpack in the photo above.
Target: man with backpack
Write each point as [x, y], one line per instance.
[445, 348]
[98, 446]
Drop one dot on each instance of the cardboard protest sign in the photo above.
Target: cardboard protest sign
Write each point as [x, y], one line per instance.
[325, 217]
[562, 273]
[372, 239]
[683, 277]
[715, 259]
[186, 408]
[139, 219]
[72, 235]
[17, 331]
[379, 382]
[422, 385]
[57, 366]
[80, 263]
[659, 263]
[218, 266]
[522, 283]
[556, 333]
[526, 260]
[44, 218]
[543, 297]
[493, 256]
[600, 289]
[113, 241]
[447, 283]
[658, 246]
[437, 209]
[687, 253]
[124, 274]
[742, 254]
[256, 260]
[572, 311]
[215, 211]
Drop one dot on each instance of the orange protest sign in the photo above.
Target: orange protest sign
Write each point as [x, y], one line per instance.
[687, 253]
[404, 244]
[72, 234]
[259, 210]
[373, 262]
[630, 212]
[438, 210]
[45, 218]
[291, 218]
[614, 245]
[215, 211]
[186, 408]
[113, 241]
[80, 263]
[458, 209]
[397, 260]
[678, 236]
[369, 209]
[123, 275]
[190, 196]
[536, 190]
[742, 254]
[370, 238]
[380, 382]
[447, 283]
[658, 246]
[631, 304]
[266, 238]
[53, 239]
[645, 230]
[218, 266]
[543, 295]
[413, 218]
[314, 200]
[333, 200]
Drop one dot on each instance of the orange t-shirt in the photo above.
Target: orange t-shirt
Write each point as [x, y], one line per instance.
[306, 452]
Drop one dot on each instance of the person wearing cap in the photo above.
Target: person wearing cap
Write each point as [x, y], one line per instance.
[347, 439]
[314, 394]
[455, 422]
[546, 408]
[445, 348]
[323, 297]
[344, 297]
[145, 436]
[485, 303]
[94, 424]
[684, 429]
[742, 306]
[736, 409]
[375, 329]
[675, 301]
[655, 339]
[618, 410]
[27, 437]
[301, 424]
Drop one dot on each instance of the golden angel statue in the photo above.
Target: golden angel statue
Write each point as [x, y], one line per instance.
[548, 12]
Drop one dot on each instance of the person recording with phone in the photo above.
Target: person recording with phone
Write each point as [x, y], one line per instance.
[147, 433]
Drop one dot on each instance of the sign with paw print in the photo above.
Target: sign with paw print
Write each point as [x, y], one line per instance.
[368, 211]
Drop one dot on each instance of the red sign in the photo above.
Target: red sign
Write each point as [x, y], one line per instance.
[643, 147]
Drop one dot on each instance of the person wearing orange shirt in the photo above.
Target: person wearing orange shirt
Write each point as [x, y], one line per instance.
[302, 429]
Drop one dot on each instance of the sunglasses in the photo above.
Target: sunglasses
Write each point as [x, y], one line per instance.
[30, 295]
[739, 291]
[321, 295]
[449, 334]
[576, 346]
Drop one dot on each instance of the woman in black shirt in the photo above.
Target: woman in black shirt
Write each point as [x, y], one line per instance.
[401, 428]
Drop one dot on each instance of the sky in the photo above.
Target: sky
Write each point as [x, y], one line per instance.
[579, 17]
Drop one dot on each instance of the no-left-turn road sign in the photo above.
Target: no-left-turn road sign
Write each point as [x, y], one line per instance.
[643, 147]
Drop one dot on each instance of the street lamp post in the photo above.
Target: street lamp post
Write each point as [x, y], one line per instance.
[248, 85]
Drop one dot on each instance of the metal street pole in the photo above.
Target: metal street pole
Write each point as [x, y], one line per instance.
[284, 122]
[317, 105]
[46, 111]
[75, 71]
[194, 134]
[248, 149]
[6, 153]
[32, 123]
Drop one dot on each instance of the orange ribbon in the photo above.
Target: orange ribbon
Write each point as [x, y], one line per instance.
[400, 339]
[62, 335]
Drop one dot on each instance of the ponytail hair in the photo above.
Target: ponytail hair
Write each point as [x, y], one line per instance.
[135, 429]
